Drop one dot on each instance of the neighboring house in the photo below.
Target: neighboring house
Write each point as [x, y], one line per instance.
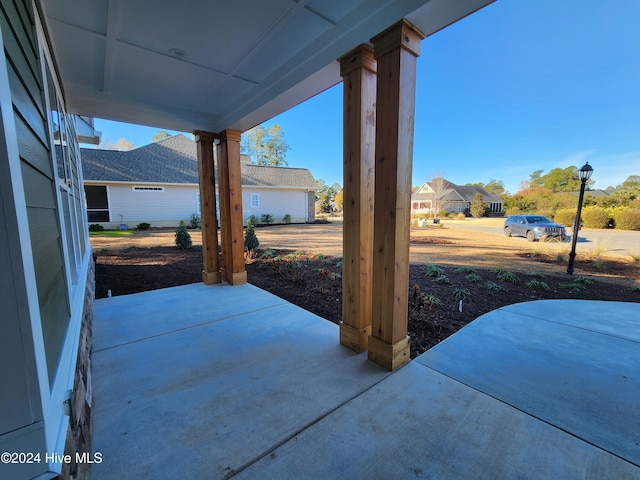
[443, 195]
[158, 184]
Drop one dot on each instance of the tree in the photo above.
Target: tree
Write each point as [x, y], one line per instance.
[496, 186]
[558, 180]
[478, 206]
[439, 186]
[266, 146]
[122, 145]
[325, 195]
[630, 188]
[339, 200]
[159, 135]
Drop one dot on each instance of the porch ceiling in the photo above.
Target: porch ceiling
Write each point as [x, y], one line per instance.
[214, 65]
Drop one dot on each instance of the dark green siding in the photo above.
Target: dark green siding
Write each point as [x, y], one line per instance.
[40, 183]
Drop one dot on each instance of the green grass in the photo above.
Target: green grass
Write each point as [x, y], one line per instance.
[111, 233]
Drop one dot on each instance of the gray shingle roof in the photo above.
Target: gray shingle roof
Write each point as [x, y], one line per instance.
[174, 160]
[458, 193]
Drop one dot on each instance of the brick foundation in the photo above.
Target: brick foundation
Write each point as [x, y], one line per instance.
[80, 430]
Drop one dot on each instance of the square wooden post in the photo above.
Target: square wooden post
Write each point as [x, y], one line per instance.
[358, 70]
[230, 194]
[209, 220]
[396, 51]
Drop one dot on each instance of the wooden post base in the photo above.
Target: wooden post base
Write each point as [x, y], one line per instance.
[239, 278]
[356, 339]
[209, 278]
[390, 356]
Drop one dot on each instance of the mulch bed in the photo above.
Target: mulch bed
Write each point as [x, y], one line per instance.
[441, 299]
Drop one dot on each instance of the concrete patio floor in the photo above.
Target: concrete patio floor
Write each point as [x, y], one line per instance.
[218, 382]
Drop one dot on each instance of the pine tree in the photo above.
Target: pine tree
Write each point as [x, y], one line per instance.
[478, 207]
[183, 239]
[251, 242]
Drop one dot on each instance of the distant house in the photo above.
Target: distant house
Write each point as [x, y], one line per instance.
[442, 195]
[158, 184]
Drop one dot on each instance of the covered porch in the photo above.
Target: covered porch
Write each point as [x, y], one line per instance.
[228, 381]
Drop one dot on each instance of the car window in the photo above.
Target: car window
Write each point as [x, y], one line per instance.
[537, 219]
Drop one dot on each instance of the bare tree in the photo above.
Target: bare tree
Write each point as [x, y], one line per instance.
[439, 188]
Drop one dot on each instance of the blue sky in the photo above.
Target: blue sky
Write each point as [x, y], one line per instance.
[516, 87]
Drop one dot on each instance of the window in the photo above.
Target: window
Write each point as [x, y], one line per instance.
[255, 200]
[97, 203]
[148, 189]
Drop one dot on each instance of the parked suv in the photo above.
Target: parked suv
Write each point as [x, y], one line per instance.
[534, 227]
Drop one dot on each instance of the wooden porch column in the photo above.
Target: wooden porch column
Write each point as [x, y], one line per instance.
[396, 50]
[230, 195]
[358, 70]
[209, 220]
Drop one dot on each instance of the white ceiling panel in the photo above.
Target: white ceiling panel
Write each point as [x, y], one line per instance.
[333, 10]
[163, 80]
[90, 15]
[216, 64]
[297, 31]
[75, 50]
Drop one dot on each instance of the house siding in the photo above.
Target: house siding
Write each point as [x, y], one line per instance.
[179, 202]
[277, 203]
[165, 208]
[43, 249]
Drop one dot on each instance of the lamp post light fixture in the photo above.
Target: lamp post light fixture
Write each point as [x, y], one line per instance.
[585, 173]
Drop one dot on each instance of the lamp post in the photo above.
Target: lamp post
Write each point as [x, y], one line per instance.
[585, 173]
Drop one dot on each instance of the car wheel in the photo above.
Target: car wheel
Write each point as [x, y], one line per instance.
[531, 236]
[507, 231]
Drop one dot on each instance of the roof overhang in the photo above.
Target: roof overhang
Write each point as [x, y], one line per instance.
[203, 65]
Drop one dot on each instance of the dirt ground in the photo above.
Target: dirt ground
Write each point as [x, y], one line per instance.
[456, 275]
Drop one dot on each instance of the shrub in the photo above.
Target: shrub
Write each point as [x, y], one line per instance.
[266, 218]
[628, 219]
[194, 222]
[183, 239]
[143, 226]
[251, 242]
[595, 217]
[96, 227]
[433, 270]
[460, 216]
[286, 218]
[565, 216]
[253, 221]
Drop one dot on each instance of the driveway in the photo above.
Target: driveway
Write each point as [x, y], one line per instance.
[615, 242]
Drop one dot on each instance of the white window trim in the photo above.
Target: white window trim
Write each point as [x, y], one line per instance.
[255, 196]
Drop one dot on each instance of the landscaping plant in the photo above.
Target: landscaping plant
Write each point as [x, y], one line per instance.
[183, 239]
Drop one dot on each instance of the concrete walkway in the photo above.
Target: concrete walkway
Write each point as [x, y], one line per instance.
[218, 382]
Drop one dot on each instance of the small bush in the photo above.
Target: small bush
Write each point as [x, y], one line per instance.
[537, 285]
[266, 218]
[268, 253]
[194, 222]
[628, 219]
[460, 293]
[433, 270]
[465, 270]
[143, 226]
[460, 216]
[565, 216]
[183, 239]
[286, 218]
[251, 242]
[96, 227]
[253, 221]
[595, 217]
[473, 277]
[494, 287]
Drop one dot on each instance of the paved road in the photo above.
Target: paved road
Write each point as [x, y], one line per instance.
[618, 242]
